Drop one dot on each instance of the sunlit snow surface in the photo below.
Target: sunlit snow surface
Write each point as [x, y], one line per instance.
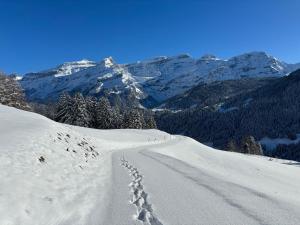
[161, 77]
[55, 174]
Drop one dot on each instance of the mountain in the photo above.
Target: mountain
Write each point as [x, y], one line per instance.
[149, 82]
[54, 174]
[213, 94]
[175, 75]
[270, 113]
[86, 77]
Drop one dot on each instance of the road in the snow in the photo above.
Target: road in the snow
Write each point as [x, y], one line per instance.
[152, 188]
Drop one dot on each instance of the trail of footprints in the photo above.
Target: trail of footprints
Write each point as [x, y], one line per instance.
[139, 196]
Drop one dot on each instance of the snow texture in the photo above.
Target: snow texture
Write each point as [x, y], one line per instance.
[58, 174]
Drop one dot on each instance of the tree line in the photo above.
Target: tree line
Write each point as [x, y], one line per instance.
[98, 113]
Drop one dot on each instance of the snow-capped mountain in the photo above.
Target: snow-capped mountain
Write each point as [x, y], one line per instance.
[90, 78]
[158, 79]
[175, 75]
[67, 68]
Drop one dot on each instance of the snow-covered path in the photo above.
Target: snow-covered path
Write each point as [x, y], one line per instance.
[178, 193]
[55, 174]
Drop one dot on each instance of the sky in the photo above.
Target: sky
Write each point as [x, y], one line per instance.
[40, 34]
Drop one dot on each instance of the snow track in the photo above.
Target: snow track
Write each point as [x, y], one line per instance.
[139, 196]
[55, 174]
[186, 194]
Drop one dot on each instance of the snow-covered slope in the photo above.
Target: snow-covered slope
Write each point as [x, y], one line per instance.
[90, 79]
[56, 174]
[67, 68]
[159, 78]
[174, 75]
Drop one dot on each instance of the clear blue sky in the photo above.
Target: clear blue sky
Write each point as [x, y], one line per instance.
[38, 34]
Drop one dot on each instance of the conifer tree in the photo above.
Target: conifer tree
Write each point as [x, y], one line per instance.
[81, 115]
[64, 109]
[11, 93]
[133, 120]
[149, 121]
[91, 104]
[104, 114]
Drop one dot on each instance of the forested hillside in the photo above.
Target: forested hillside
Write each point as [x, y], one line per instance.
[215, 93]
[270, 111]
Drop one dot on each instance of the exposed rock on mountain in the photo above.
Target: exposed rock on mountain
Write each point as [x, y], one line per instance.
[151, 81]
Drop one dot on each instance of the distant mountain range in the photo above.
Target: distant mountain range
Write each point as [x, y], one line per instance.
[150, 82]
[215, 101]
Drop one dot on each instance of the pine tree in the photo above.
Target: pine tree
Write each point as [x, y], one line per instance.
[232, 146]
[250, 146]
[91, 104]
[81, 115]
[149, 121]
[11, 93]
[104, 114]
[64, 109]
[133, 120]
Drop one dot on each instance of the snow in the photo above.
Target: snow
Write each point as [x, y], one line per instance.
[108, 62]
[134, 177]
[272, 143]
[161, 78]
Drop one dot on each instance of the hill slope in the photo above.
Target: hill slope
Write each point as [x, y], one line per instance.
[214, 93]
[63, 175]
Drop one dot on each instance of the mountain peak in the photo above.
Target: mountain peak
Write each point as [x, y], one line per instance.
[79, 62]
[208, 57]
[160, 77]
[184, 55]
[107, 62]
[256, 54]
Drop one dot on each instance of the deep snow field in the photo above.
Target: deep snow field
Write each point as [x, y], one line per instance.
[56, 174]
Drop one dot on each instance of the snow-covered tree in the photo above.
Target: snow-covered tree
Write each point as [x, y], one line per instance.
[11, 93]
[133, 120]
[232, 146]
[81, 115]
[149, 121]
[117, 119]
[64, 111]
[104, 114]
[73, 111]
[250, 146]
[87, 112]
[91, 104]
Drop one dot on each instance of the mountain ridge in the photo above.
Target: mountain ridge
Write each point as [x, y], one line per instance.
[158, 78]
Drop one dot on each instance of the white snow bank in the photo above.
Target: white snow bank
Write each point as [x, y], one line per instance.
[277, 178]
[58, 174]
[52, 173]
